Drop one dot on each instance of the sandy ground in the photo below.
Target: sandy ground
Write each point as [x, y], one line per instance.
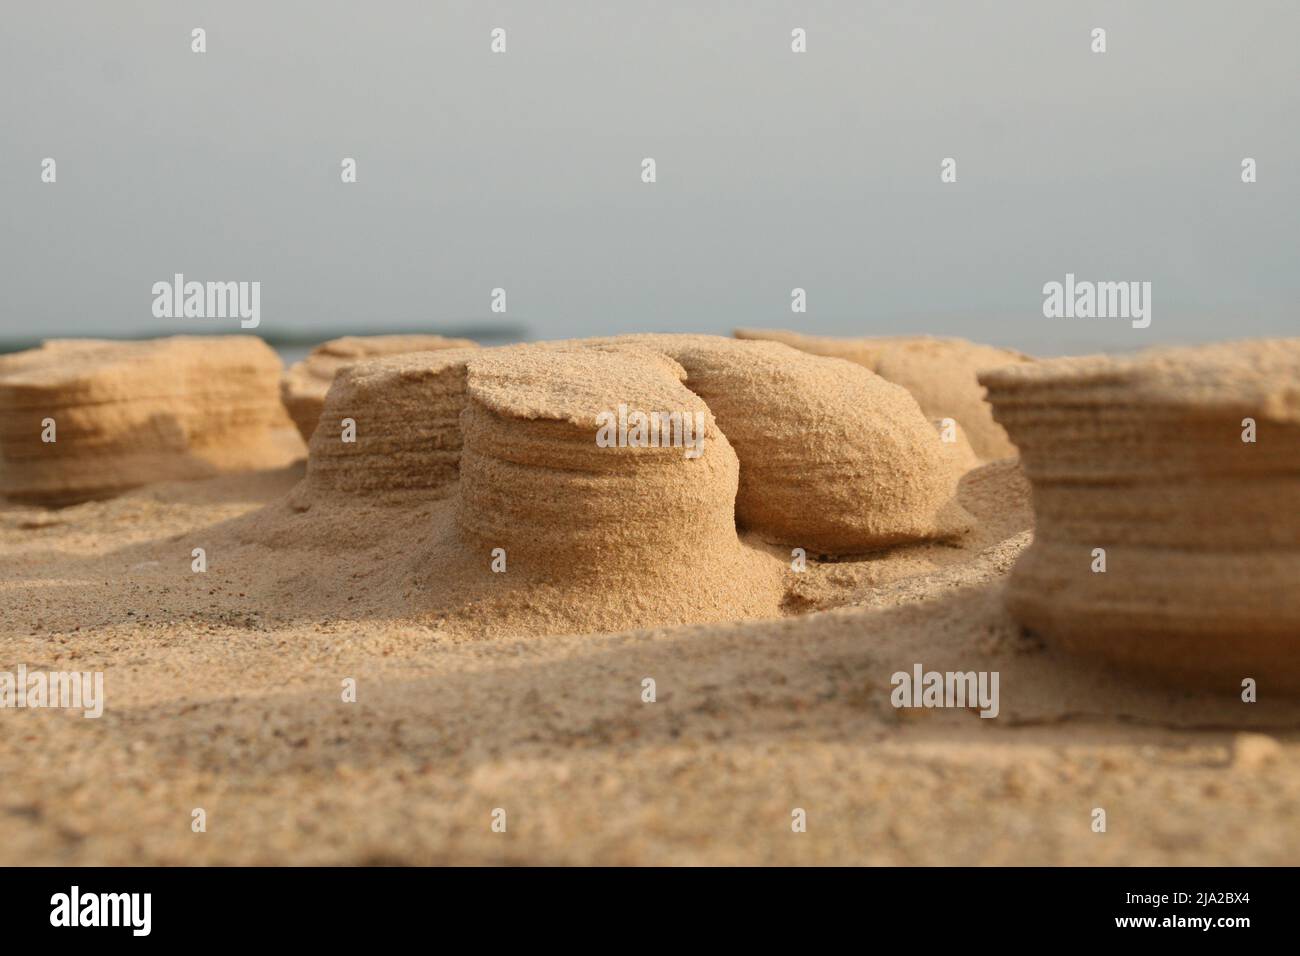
[223, 697]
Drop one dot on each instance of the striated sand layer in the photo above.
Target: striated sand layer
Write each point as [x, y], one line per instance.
[306, 383]
[615, 533]
[941, 373]
[82, 419]
[404, 412]
[1183, 466]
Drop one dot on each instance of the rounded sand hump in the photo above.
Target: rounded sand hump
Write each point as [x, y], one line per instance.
[939, 372]
[84, 419]
[833, 457]
[1183, 467]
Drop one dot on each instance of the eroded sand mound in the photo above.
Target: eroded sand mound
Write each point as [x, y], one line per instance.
[607, 534]
[939, 372]
[600, 526]
[306, 383]
[833, 458]
[404, 412]
[125, 414]
[1144, 458]
[478, 479]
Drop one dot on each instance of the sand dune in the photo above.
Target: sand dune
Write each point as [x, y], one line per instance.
[124, 414]
[1143, 456]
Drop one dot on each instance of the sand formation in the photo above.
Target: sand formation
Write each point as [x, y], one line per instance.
[83, 419]
[832, 457]
[1149, 458]
[405, 411]
[305, 383]
[234, 674]
[939, 372]
[763, 449]
[632, 533]
[452, 456]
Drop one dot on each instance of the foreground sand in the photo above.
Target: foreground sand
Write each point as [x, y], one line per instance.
[224, 693]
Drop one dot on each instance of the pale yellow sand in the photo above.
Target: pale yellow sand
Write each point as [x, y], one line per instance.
[224, 693]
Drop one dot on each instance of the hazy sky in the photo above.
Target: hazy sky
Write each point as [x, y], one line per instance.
[775, 170]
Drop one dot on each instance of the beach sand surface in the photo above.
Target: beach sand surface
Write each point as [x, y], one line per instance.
[224, 692]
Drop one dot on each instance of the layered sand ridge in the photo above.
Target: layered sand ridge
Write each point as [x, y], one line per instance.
[941, 374]
[1144, 457]
[130, 413]
[405, 411]
[306, 383]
